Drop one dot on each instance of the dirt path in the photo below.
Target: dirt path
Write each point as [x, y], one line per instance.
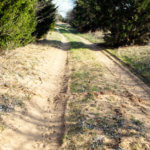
[40, 125]
[132, 83]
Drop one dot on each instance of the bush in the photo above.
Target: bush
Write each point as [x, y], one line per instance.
[85, 16]
[126, 21]
[46, 13]
[17, 23]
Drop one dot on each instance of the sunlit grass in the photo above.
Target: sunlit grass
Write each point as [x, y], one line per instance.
[138, 57]
[94, 37]
[21, 71]
[92, 120]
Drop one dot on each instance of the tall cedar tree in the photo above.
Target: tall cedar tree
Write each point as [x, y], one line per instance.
[17, 22]
[46, 13]
[125, 22]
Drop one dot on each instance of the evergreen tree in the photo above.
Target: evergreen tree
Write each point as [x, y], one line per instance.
[46, 12]
[124, 21]
[17, 22]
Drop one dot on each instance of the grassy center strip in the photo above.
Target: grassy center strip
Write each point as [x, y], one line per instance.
[97, 116]
[83, 90]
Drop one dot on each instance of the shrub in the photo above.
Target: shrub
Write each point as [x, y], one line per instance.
[17, 23]
[126, 21]
[46, 12]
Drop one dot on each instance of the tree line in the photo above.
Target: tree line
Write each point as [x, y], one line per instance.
[124, 22]
[24, 21]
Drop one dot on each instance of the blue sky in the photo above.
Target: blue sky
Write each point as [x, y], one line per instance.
[64, 6]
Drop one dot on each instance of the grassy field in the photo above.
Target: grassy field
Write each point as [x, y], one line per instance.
[137, 57]
[100, 114]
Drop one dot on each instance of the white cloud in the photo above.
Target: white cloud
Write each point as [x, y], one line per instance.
[64, 6]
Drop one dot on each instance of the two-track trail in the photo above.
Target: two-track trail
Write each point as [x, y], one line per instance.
[132, 83]
[109, 106]
[40, 124]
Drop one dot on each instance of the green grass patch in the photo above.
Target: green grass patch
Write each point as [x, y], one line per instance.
[138, 57]
[94, 116]
[94, 37]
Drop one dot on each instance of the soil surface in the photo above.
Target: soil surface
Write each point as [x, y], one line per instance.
[40, 125]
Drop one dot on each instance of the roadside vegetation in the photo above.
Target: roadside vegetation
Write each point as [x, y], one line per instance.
[101, 114]
[45, 18]
[22, 22]
[17, 23]
[138, 59]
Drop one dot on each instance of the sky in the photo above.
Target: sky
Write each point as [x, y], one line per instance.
[64, 6]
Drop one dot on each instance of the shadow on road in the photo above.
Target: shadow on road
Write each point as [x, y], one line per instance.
[74, 45]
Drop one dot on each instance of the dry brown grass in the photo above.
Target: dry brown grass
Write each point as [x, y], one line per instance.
[138, 57]
[33, 77]
[101, 113]
[20, 74]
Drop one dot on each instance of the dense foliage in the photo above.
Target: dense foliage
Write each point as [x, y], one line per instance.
[21, 21]
[124, 21]
[17, 22]
[45, 17]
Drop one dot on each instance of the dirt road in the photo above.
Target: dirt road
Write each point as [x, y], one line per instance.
[40, 125]
[122, 74]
